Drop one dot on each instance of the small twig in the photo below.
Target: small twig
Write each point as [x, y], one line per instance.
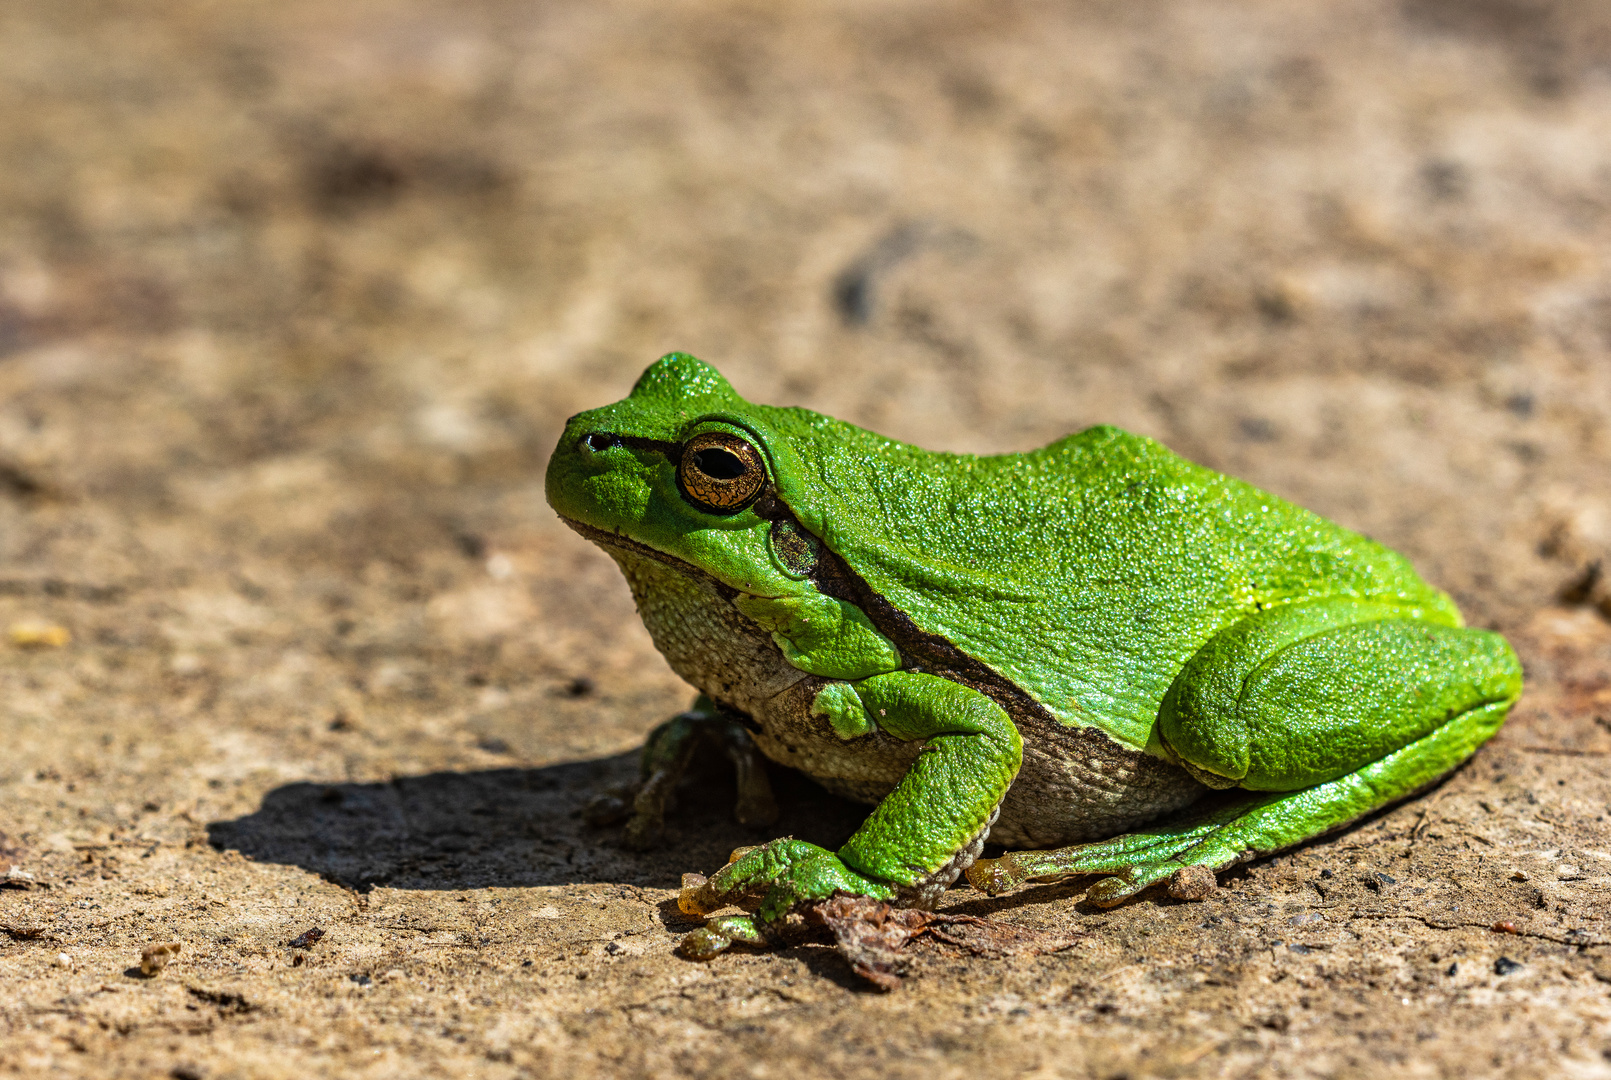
[1384, 916]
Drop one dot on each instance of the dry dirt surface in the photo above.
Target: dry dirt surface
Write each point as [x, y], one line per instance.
[294, 299]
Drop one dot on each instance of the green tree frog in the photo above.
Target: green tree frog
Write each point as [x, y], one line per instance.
[1055, 650]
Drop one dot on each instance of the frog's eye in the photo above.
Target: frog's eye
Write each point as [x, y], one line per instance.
[720, 472]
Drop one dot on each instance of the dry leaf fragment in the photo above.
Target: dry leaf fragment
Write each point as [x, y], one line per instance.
[307, 939]
[871, 934]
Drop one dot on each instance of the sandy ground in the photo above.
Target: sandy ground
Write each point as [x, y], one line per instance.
[295, 296]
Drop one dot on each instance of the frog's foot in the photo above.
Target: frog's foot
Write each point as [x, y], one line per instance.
[667, 753]
[772, 881]
[1187, 855]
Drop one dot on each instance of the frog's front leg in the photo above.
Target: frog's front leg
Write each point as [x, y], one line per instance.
[1322, 712]
[918, 840]
[666, 755]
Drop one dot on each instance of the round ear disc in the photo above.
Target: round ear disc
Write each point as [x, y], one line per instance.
[720, 472]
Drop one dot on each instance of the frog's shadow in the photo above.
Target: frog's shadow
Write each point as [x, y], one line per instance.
[518, 827]
[512, 827]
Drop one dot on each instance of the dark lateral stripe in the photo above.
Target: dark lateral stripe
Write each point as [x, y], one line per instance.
[671, 450]
[933, 653]
[937, 656]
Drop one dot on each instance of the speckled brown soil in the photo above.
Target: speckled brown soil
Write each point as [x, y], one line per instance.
[295, 296]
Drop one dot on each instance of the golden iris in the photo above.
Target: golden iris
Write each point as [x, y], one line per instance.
[721, 472]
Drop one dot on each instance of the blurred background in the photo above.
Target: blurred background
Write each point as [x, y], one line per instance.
[322, 280]
[295, 297]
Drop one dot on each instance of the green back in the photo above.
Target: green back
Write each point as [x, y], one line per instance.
[1089, 571]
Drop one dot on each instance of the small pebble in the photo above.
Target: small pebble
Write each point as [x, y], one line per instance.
[187, 665]
[64, 960]
[1192, 883]
[1505, 965]
[153, 958]
[36, 634]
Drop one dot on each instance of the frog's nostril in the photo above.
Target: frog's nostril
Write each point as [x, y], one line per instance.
[598, 442]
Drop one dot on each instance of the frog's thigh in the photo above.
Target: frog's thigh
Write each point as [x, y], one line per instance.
[1253, 711]
[1324, 728]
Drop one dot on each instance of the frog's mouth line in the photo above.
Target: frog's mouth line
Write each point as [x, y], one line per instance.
[607, 539]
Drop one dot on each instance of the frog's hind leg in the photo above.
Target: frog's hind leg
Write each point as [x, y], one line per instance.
[1322, 713]
[1244, 828]
[667, 753]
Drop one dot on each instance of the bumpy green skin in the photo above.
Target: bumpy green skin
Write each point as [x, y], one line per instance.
[1101, 579]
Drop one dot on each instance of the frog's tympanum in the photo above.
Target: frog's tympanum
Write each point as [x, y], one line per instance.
[1054, 650]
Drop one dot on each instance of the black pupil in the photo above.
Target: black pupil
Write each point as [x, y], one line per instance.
[598, 443]
[719, 464]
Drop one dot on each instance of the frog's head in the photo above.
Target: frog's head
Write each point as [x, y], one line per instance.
[686, 467]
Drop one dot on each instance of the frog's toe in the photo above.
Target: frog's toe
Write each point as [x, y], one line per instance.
[1194, 881]
[719, 935]
[996, 876]
[644, 831]
[755, 877]
[756, 806]
[697, 897]
[610, 807]
[700, 895]
[641, 807]
[1113, 891]
[667, 754]
[704, 944]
